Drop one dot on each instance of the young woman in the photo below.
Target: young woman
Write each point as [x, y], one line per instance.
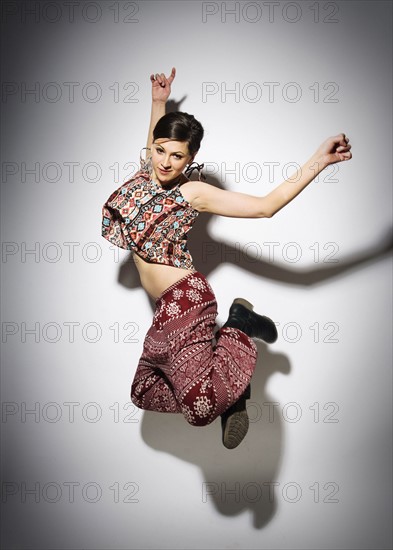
[186, 367]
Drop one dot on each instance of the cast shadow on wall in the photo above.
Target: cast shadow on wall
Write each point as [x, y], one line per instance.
[241, 479]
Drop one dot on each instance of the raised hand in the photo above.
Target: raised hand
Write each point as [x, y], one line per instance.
[334, 149]
[161, 86]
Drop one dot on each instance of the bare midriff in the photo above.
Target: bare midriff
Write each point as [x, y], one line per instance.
[155, 278]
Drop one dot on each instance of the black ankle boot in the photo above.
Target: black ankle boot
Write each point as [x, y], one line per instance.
[235, 422]
[242, 316]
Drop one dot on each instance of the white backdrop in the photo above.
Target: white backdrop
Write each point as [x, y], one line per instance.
[81, 466]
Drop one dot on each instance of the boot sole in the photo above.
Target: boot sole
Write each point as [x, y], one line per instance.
[235, 430]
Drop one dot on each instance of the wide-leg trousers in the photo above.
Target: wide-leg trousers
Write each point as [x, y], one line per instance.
[188, 366]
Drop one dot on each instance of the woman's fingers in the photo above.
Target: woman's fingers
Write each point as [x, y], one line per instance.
[172, 75]
[339, 143]
[342, 148]
[339, 139]
[335, 149]
[161, 78]
[343, 140]
[345, 156]
[343, 143]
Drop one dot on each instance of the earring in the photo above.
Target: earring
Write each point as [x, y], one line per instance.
[190, 168]
[146, 165]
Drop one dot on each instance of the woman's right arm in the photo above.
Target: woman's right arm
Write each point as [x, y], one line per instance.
[161, 89]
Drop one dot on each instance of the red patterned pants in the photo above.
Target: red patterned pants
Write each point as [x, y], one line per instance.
[182, 368]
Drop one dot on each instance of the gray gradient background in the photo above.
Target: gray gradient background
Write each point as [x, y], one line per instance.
[166, 460]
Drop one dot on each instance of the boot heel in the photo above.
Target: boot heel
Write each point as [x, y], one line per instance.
[244, 303]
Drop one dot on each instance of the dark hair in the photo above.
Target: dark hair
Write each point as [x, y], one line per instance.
[180, 127]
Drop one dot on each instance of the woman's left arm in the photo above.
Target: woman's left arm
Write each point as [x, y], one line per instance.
[334, 149]
[208, 198]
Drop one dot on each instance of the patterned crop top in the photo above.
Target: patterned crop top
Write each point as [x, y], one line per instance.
[150, 220]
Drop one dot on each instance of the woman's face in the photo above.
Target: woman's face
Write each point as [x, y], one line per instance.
[169, 158]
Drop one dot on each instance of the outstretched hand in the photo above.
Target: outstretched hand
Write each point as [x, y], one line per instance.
[334, 149]
[161, 86]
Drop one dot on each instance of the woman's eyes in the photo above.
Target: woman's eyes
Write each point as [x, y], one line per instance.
[177, 156]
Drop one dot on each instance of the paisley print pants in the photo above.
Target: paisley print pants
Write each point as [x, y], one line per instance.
[186, 367]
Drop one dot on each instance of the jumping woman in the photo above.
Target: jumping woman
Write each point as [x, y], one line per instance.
[188, 366]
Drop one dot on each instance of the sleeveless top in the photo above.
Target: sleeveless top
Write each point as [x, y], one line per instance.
[150, 220]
